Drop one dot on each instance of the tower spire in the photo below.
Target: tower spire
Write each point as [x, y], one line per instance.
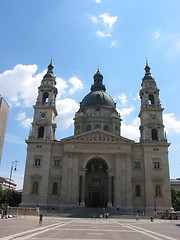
[50, 67]
[98, 81]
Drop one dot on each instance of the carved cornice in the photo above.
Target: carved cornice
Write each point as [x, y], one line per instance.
[97, 136]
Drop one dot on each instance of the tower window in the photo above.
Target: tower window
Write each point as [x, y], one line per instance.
[37, 162]
[55, 188]
[137, 190]
[35, 187]
[137, 165]
[88, 128]
[45, 97]
[57, 163]
[151, 99]
[41, 132]
[106, 128]
[154, 134]
[156, 165]
[158, 191]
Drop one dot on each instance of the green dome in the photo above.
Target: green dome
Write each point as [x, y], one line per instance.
[97, 98]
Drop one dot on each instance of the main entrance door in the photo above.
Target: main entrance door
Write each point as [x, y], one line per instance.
[96, 183]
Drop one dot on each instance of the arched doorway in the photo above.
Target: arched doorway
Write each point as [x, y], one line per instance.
[96, 183]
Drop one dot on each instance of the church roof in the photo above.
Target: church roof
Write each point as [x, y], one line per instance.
[98, 94]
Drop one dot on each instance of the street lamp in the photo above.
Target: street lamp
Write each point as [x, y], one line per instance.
[13, 167]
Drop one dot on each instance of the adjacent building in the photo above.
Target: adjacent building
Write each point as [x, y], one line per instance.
[6, 183]
[97, 166]
[4, 109]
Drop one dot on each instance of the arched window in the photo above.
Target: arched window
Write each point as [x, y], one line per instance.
[41, 132]
[137, 190]
[106, 128]
[158, 191]
[97, 126]
[117, 130]
[154, 134]
[35, 187]
[45, 97]
[151, 99]
[88, 128]
[55, 188]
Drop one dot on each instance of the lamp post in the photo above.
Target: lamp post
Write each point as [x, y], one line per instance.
[13, 167]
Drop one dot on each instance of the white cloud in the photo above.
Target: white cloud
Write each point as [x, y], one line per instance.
[66, 109]
[108, 20]
[113, 43]
[76, 85]
[105, 23]
[131, 131]
[61, 86]
[21, 84]
[102, 34]
[124, 112]
[98, 1]
[123, 99]
[24, 120]
[172, 125]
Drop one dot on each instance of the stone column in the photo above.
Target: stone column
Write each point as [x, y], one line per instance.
[109, 190]
[83, 190]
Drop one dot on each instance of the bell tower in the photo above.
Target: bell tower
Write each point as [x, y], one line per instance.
[44, 121]
[151, 128]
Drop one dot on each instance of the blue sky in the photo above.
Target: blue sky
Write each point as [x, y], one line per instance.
[80, 35]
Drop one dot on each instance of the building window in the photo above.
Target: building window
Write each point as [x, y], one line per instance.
[57, 163]
[35, 187]
[158, 191]
[45, 97]
[55, 188]
[156, 165]
[154, 134]
[137, 190]
[41, 132]
[97, 126]
[117, 130]
[151, 99]
[88, 128]
[37, 162]
[106, 128]
[137, 165]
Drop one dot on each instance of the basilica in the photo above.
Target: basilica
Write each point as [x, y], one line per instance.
[97, 167]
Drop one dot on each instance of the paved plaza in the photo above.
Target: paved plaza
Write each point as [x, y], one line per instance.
[27, 227]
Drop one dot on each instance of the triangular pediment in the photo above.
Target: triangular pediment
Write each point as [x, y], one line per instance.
[97, 136]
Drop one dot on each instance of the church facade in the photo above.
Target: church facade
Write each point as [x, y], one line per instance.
[97, 167]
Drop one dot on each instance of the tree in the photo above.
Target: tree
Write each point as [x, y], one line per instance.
[10, 197]
[175, 194]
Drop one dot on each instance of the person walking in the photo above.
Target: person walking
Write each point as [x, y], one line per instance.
[40, 218]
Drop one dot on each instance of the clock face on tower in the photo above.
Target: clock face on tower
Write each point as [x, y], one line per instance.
[42, 115]
[152, 117]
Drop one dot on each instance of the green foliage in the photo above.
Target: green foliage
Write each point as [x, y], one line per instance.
[175, 194]
[10, 197]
